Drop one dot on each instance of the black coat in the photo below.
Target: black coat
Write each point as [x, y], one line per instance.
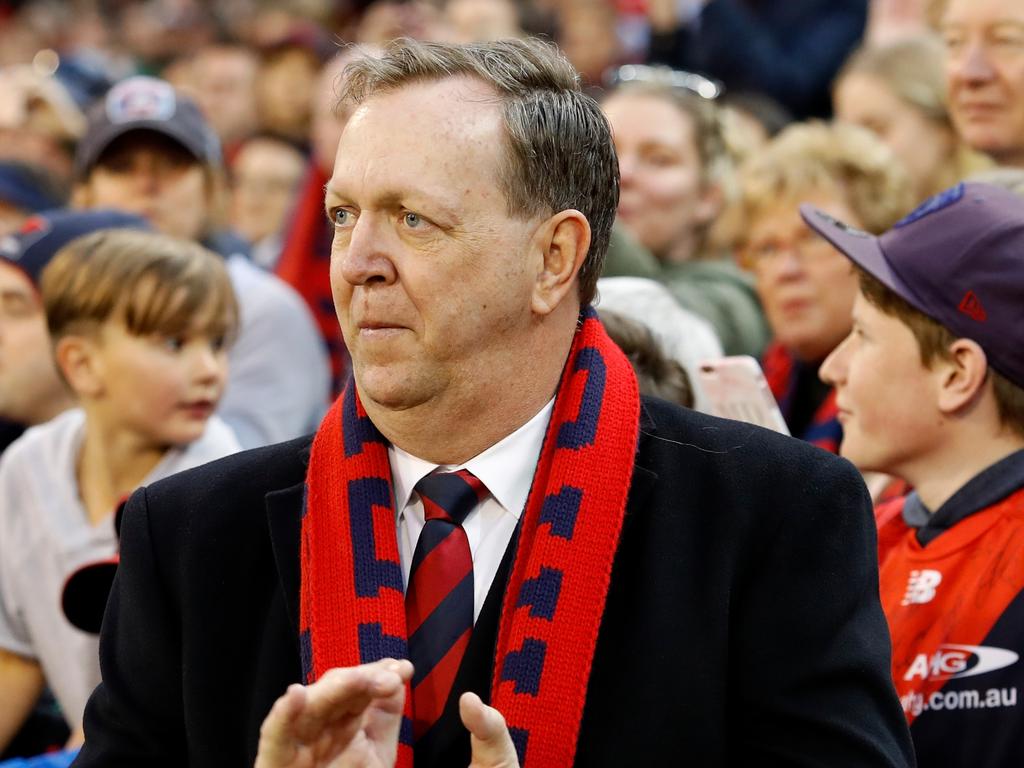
[742, 625]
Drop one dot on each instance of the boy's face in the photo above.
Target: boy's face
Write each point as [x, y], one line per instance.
[888, 400]
[154, 177]
[160, 388]
[30, 389]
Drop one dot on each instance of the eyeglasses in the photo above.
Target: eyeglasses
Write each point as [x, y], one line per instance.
[808, 246]
[696, 84]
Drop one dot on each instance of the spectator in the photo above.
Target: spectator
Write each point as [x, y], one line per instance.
[788, 50]
[39, 121]
[675, 170]
[24, 190]
[148, 150]
[930, 387]
[685, 337]
[898, 92]
[286, 82]
[808, 289]
[657, 374]
[985, 74]
[480, 20]
[139, 324]
[265, 180]
[223, 77]
[31, 392]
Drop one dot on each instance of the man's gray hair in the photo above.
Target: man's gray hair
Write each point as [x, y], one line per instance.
[560, 151]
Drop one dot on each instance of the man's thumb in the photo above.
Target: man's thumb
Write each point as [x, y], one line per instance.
[491, 744]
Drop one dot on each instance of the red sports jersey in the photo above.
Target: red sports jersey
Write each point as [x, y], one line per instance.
[956, 614]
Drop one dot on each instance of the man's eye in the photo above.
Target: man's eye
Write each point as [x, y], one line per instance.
[412, 220]
[342, 217]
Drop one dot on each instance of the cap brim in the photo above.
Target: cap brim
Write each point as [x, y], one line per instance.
[110, 133]
[862, 248]
[85, 594]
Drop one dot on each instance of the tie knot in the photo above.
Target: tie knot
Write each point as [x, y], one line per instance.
[450, 495]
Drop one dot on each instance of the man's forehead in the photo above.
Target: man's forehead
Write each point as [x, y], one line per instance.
[461, 103]
[990, 12]
[13, 279]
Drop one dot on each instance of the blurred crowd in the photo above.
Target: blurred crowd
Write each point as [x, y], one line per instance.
[217, 123]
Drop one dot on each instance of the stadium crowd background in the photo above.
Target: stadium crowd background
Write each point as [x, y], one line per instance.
[727, 114]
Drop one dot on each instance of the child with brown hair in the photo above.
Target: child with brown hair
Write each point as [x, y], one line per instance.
[930, 388]
[140, 324]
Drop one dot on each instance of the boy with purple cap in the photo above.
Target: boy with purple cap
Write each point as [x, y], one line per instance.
[930, 388]
[148, 150]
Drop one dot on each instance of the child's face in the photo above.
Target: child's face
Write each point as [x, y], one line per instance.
[888, 400]
[161, 388]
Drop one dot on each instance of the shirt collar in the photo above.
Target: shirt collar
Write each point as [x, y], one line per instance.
[989, 486]
[506, 468]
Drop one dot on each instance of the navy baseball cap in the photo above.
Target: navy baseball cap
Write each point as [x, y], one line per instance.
[41, 236]
[27, 188]
[146, 104]
[958, 258]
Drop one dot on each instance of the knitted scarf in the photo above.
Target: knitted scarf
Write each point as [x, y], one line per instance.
[781, 371]
[352, 603]
[305, 265]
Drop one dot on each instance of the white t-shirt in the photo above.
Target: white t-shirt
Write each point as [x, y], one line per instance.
[45, 535]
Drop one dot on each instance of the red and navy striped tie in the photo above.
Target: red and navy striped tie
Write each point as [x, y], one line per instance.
[439, 599]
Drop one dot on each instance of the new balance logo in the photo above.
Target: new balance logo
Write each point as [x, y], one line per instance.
[921, 587]
[970, 305]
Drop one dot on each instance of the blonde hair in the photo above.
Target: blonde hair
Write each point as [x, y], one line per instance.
[913, 70]
[152, 283]
[808, 157]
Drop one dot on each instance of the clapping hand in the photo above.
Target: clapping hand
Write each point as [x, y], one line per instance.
[351, 716]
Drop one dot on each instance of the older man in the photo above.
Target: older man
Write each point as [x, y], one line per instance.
[985, 74]
[626, 582]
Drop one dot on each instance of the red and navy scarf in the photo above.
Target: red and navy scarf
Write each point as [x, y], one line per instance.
[305, 265]
[352, 601]
[781, 371]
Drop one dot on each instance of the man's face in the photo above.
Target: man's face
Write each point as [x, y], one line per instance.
[432, 279]
[30, 389]
[985, 73]
[806, 286]
[152, 176]
[887, 399]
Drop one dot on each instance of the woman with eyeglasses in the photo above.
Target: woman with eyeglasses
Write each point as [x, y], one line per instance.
[806, 286]
[674, 166]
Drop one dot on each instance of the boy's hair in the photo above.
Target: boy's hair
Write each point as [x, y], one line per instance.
[933, 342]
[152, 283]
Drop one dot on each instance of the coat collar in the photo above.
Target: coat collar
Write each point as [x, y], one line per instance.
[284, 515]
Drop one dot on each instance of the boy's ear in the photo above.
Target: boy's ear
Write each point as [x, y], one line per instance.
[80, 365]
[963, 376]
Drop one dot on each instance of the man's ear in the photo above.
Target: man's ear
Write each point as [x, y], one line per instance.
[80, 365]
[962, 376]
[563, 241]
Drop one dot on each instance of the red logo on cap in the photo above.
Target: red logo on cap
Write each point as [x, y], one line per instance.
[33, 224]
[970, 305]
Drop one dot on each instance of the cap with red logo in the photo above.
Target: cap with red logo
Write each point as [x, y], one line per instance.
[958, 258]
[146, 104]
[33, 246]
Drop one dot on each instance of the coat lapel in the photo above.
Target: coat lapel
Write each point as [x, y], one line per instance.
[284, 521]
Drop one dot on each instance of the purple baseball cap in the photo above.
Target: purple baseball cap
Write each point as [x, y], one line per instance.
[146, 104]
[958, 258]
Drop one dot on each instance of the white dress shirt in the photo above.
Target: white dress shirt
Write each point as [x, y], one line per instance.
[506, 468]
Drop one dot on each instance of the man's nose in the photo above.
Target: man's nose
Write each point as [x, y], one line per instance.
[366, 256]
[973, 65]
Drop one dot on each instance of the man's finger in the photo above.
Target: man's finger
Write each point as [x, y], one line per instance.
[277, 734]
[491, 743]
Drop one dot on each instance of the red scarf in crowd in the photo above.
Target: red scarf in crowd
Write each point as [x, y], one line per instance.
[305, 264]
[781, 371]
[352, 601]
